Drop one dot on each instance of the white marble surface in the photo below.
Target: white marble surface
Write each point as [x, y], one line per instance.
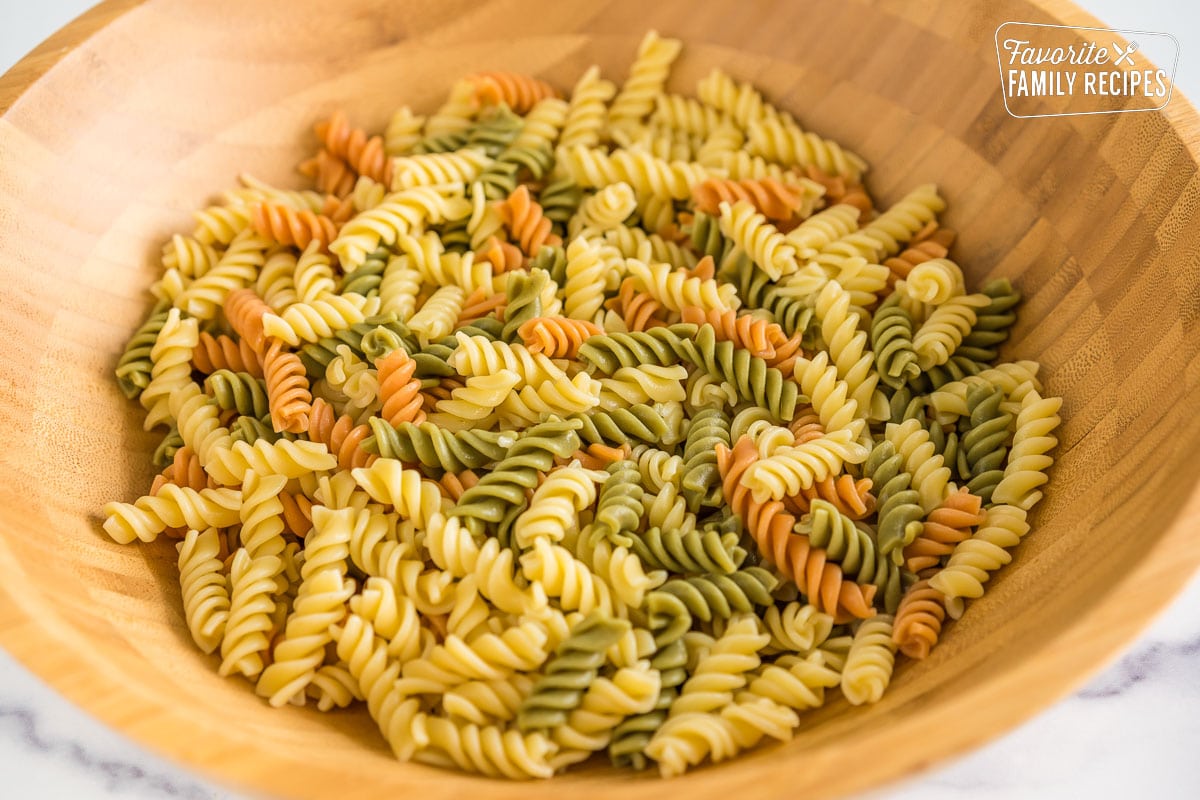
[1130, 733]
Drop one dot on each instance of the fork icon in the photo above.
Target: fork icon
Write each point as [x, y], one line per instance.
[1127, 54]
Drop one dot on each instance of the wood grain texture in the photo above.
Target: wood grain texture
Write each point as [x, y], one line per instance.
[140, 112]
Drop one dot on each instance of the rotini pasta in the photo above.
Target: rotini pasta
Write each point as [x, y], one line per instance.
[544, 426]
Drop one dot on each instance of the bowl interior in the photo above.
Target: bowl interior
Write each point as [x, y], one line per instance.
[110, 152]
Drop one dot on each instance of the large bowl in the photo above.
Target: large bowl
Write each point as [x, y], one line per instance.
[136, 114]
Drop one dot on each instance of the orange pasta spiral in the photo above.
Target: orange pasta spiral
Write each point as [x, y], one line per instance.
[849, 496]
[762, 338]
[838, 191]
[186, 470]
[525, 220]
[557, 337]
[806, 425]
[705, 269]
[930, 243]
[946, 526]
[297, 513]
[503, 256]
[287, 388]
[244, 309]
[772, 199]
[599, 455]
[454, 484]
[289, 226]
[771, 527]
[338, 209]
[444, 390]
[919, 620]
[364, 155]
[637, 309]
[399, 389]
[224, 352]
[480, 304]
[520, 92]
[331, 174]
[340, 434]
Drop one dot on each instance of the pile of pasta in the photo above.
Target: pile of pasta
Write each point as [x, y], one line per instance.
[546, 427]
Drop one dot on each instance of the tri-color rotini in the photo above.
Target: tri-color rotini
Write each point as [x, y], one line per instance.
[570, 420]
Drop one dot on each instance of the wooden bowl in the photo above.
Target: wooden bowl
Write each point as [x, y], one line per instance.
[136, 114]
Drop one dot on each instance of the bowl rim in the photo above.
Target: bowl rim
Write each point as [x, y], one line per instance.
[1093, 641]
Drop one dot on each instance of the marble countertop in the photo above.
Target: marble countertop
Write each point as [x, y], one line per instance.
[1129, 733]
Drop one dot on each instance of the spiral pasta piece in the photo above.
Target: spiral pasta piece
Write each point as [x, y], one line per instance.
[526, 222]
[287, 388]
[173, 507]
[1027, 463]
[771, 527]
[780, 139]
[285, 225]
[252, 600]
[366, 156]
[170, 358]
[587, 112]
[973, 560]
[557, 337]
[432, 169]
[870, 661]
[748, 229]
[674, 289]
[399, 213]
[606, 209]
[205, 593]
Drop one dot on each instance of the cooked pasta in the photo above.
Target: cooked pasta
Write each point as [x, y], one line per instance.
[549, 425]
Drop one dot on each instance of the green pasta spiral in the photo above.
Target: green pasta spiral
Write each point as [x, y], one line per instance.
[639, 422]
[619, 504]
[609, 352]
[854, 548]
[905, 404]
[501, 493]
[708, 597]
[755, 381]
[706, 238]
[432, 446]
[551, 259]
[380, 341]
[524, 292]
[494, 133]
[316, 355]
[891, 339]
[366, 278]
[983, 452]
[576, 662]
[238, 390]
[432, 362]
[165, 452]
[701, 481]
[946, 444]
[992, 323]
[489, 328]
[501, 177]
[899, 506]
[442, 143]
[690, 553]
[560, 200]
[957, 368]
[133, 368]
[251, 429]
